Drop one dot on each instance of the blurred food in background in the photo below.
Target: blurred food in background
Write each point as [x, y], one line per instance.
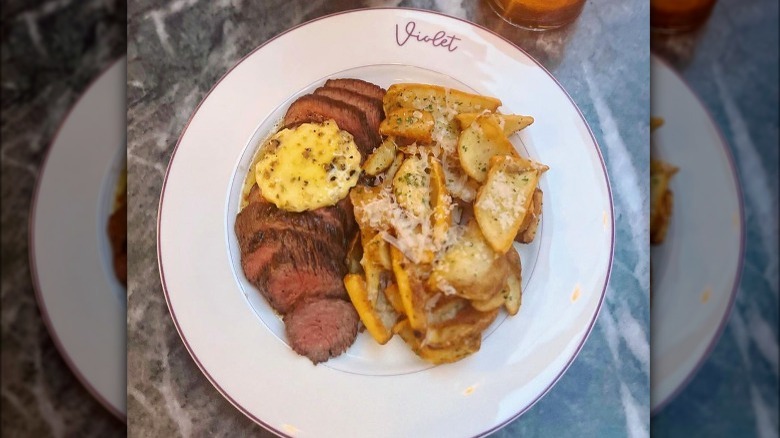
[538, 14]
[679, 15]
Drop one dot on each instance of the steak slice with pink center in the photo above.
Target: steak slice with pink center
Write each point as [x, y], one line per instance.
[321, 328]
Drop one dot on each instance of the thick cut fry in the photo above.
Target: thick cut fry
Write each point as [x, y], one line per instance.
[377, 251]
[510, 123]
[529, 226]
[354, 255]
[376, 314]
[480, 142]
[469, 268]
[412, 186]
[408, 123]
[504, 200]
[513, 288]
[411, 290]
[381, 158]
[441, 203]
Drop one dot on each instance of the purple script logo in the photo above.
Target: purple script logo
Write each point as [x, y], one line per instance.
[439, 39]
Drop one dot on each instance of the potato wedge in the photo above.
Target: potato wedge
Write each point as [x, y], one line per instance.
[446, 308]
[491, 303]
[440, 201]
[434, 98]
[466, 323]
[462, 102]
[381, 158]
[528, 228]
[412, 186]
[376, 314]
[433, 355]
[411, 290]
[361, 195]
[509, 123]
[480, 142]
[504, 200]
[408, 123]
[393, 169]
[415, 96]
[453, 353]
[469, 268]
[459, 185]
[514, 282]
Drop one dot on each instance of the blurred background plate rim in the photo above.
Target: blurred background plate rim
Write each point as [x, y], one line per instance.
[114, 402]
[658, 62]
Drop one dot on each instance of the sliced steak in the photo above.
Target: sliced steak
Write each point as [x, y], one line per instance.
[287, 266]
[295, 248]
[255, 195]
[358, 86]
[371, 107]
[287, 286]
[256, 220]
[322, 328]
[318, 109]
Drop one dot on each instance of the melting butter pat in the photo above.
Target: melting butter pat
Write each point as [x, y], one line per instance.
[311, 166]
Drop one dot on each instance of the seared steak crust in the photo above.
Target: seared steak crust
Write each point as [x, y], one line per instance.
[256, 221]
[287, 266]
[318, 109]
[371, 107]
[358, 86]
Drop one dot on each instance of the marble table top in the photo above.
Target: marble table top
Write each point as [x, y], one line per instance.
[732, 64]
[176, 52]
[51, 52]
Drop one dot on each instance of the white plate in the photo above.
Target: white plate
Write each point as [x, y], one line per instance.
[696, 270]
[81, 301]
[375, 390]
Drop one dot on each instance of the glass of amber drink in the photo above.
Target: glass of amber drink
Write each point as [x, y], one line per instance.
[679, 15]
[538, 14]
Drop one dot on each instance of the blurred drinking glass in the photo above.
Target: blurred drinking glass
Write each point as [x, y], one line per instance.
[538, 14]
[679, 15]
